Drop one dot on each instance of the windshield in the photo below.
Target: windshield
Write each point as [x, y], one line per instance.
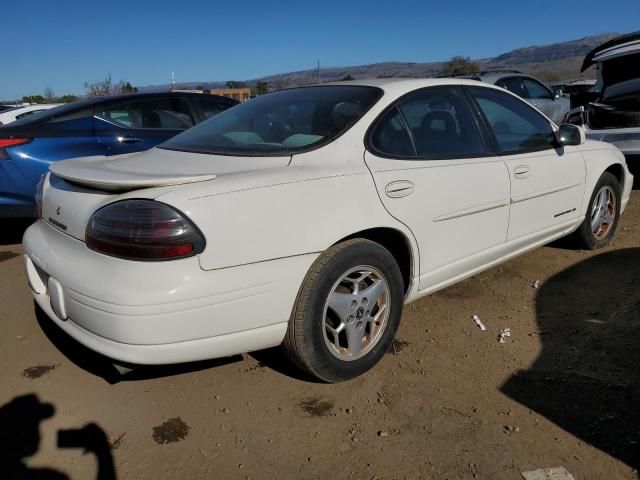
[280, 123]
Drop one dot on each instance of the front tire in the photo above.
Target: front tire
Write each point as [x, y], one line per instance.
[601, 219]
[347, 311]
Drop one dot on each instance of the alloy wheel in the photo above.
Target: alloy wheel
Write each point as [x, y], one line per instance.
[603, 212]
[356, 313]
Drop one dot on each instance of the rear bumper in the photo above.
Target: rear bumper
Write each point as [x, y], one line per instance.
[159, 312]
[626, 189]
[188, 351]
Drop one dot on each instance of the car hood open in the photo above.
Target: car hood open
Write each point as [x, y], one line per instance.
[155, 168]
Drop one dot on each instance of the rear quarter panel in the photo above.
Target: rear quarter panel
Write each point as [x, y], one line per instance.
[283, 220]
[282, 212]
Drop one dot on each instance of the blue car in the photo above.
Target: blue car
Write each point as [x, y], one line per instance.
[96, 126]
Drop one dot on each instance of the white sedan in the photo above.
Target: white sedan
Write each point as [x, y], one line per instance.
[13, 114]
[308, 217]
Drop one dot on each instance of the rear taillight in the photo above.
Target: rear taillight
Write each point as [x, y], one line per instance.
[143, 230]
[10, 142]
[13, 142]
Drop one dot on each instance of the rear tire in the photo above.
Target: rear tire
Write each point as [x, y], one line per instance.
[601, 218]
[347, 312]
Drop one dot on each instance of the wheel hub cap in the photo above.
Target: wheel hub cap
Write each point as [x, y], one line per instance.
[356, 313]
[603, 212]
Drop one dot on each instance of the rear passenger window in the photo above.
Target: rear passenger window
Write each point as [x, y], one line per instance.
[442, 125]
[118, 114]
[391, 137]
[517, 127]
[26, 114]
[514, 85]
[210, 106]
[171, 113]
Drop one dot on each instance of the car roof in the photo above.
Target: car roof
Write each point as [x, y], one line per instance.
[493, 77]
[141, 95]
[79, 105]
[404, 85]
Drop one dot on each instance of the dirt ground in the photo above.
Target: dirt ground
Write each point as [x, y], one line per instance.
[448, 401]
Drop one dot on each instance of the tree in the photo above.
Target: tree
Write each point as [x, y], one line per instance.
[66, 99]
[127, 88]
[346, 77]
[459, 66]
[49, 95]
[34, 99]
[100, 89]
[199, 87]
[262, 87]
[108, 87]
[234, 84]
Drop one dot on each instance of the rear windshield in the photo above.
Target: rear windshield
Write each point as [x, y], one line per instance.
[49, 113]
[280, 123]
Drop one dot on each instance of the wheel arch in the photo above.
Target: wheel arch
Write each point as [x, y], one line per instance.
[398, 244]
[601, 158]
[617, 171]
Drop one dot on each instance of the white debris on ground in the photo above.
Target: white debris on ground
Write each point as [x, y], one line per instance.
[476, 319]
[558, 473]
[536, 284]
[505, 332]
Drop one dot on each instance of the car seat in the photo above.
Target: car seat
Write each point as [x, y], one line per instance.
[151, 120]
[437, 133]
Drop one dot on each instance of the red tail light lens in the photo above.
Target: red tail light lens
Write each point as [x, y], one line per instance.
[10, 142]
[143, 230]
[13, 142]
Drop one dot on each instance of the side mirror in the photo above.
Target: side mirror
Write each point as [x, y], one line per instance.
[569, 134]
[557, 93]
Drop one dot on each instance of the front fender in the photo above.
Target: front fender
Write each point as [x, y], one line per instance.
[600, 156]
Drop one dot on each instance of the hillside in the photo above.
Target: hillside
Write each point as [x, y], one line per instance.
[558, 61]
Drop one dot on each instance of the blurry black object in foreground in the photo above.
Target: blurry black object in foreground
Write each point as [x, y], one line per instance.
[20, 438]
[12, 230]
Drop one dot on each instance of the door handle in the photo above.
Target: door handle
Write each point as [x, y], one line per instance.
[521, 171]
[128, 139]
[399, 188]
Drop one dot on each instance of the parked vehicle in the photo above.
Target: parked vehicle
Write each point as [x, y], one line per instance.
[13, 114]
[308, 217]
[97, 126]
[612, 112]
[571, 88]
[551, 103]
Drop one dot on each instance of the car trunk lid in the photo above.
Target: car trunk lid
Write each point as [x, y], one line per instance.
[78, 187]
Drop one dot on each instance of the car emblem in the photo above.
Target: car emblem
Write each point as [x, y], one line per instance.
[360, 313]
[58, 210]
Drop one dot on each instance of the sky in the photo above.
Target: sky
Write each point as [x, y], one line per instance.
[63, 43]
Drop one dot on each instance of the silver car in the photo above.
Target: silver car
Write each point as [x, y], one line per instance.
[612, 112]
[552, 104]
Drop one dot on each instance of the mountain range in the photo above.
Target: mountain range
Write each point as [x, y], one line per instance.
[554, 62]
